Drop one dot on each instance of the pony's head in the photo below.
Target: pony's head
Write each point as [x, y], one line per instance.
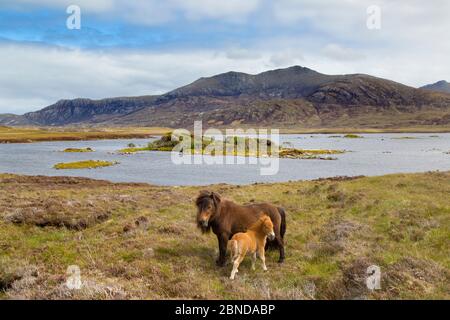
[207, 205]
[266, 227]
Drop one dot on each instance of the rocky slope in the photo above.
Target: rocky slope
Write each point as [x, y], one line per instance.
[74, 111]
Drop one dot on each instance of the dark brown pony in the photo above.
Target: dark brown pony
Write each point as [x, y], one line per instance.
[226, 218]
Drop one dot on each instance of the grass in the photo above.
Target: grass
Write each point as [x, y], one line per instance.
[88, 164]
[80, 150]
[35, 134]
[137, 241]
[133, 150]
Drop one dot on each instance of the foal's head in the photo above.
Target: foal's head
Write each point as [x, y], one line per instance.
[207, 204]
[265, 226]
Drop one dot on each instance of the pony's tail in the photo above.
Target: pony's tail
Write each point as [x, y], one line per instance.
[233, 245]
[283, 222]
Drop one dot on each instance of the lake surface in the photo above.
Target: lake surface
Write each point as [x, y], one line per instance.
[375, 154]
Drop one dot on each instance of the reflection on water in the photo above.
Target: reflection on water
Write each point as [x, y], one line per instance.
[375, 154]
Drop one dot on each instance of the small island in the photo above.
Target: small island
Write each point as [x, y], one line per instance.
[69, 150]
[353, 136]
[88, 164]
[230, 146]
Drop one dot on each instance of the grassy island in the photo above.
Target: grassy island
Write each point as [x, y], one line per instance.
[88, 164]
[236, 146]
[353, 136]
[69, 150]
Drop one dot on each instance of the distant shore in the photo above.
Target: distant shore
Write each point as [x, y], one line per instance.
[41, 134]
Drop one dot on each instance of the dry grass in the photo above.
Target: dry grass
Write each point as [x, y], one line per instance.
[141, 241]
[34, 134]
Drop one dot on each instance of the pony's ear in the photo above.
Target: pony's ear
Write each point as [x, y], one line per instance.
[216, 198]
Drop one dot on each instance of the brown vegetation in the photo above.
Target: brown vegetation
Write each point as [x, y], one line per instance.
[141, 241]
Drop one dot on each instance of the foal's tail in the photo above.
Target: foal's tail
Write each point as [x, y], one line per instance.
[233, 245]
[283, 222]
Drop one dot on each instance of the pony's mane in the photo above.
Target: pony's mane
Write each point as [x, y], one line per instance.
[203, 199]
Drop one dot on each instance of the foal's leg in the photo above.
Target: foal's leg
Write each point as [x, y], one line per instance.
[236, 264]
[253, 260]
[261, 253]
[235, 268]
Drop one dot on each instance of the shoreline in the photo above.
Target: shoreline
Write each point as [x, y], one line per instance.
[48, 134]
[214, 185]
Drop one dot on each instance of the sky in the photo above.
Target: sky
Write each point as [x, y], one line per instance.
[142, 47]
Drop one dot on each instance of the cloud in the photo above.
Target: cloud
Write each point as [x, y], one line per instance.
[242, 54]
[337, 52]
[150, 12]
[34, 76]
[286, 58]
[181, 41]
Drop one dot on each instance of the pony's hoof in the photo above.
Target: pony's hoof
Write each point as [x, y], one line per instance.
[220, 263]
[281, 260]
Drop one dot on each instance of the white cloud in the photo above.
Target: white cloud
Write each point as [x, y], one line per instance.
[286, 58]
[337, 52]
[35, 76]
[233, 10]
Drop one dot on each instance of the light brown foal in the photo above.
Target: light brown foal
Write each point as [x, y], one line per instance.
[253, 241]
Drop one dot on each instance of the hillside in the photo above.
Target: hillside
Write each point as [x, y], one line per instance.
[295, 97]
[440, 86]
[76, 111]
[137, 241]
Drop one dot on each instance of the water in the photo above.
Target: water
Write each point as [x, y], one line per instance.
[376, 154]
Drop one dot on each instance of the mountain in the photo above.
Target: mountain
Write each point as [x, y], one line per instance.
[8, 119]
[440, 86]
[291, 97]
[75, 111]
[294, 97]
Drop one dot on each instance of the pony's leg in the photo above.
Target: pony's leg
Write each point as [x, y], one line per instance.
[223, 240]
[253, 260]
[280, 244]
[262, 257]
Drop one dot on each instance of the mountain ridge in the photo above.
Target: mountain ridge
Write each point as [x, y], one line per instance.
[292, 96]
